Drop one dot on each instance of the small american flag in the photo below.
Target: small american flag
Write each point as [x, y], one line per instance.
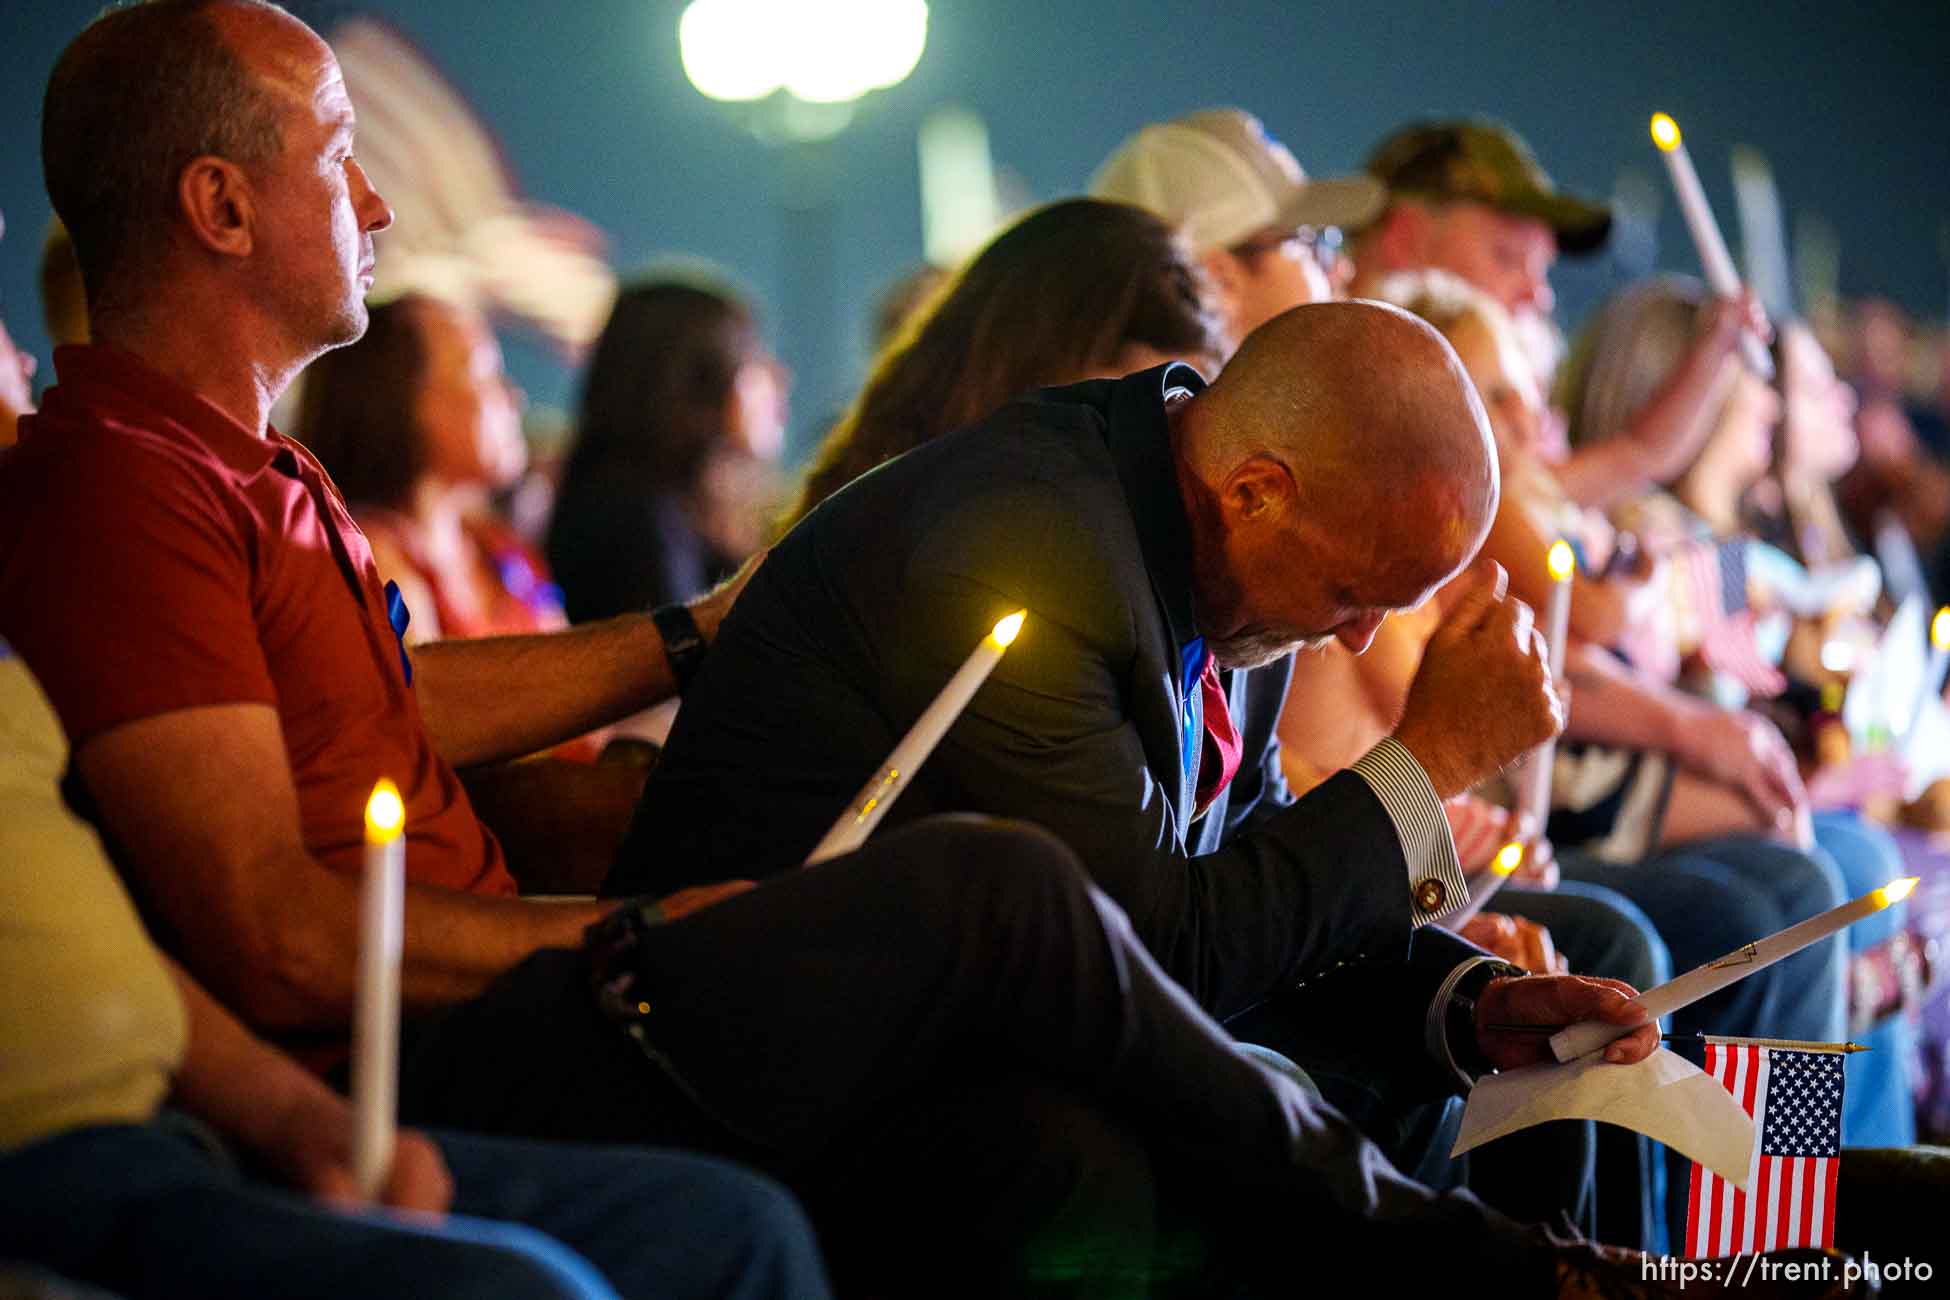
[1717, 591]
[1796, 1101]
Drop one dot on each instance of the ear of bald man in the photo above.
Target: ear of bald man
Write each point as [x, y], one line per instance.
[1483, 696]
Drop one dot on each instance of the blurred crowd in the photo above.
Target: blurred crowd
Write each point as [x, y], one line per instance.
[1102, 1057]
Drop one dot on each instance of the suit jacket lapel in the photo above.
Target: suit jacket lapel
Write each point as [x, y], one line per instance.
[1140, 445]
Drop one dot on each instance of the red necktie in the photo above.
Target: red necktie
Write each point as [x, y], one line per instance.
[1218, 760]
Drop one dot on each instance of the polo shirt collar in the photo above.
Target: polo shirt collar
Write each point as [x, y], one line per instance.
[1140, 446]
[90, 373]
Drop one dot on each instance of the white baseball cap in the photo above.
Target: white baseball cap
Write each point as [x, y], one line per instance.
[1220, 178]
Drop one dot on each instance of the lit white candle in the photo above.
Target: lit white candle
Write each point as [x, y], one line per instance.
[1534, 792]
[1589, 1036]
[1502, 867]
[1714, 260]
[887, 782]
[375, 1021]
[1933, 674]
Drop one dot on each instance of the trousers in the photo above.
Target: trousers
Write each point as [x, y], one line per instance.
[955, 1049]
[146, 1210]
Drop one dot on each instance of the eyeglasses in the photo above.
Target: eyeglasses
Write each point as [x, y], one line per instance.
[1321, 243]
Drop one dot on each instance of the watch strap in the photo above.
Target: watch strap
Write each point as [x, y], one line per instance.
[683, 643]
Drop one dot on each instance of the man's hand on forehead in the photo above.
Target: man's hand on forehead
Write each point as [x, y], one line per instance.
[1483, 695]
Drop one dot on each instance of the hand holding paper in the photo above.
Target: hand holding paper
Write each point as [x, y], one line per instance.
[1556, 1000]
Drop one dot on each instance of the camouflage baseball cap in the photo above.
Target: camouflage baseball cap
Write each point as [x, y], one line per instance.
[1489, 163]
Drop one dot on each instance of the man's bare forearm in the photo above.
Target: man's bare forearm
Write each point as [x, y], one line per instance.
[208, 819]
[457, 944]
[301, 972]
[503, 697]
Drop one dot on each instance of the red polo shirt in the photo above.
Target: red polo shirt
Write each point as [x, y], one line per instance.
[156, 555]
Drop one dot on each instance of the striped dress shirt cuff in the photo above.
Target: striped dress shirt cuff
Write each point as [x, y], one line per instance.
[1435, 1026]
[1435, 879]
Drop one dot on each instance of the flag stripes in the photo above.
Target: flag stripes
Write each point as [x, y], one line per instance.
[1795, 1099]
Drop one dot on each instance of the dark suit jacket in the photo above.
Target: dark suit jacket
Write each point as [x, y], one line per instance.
[1065, 505]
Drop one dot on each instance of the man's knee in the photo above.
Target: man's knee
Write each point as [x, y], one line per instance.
[1627, 945]
[1804, 882]
[1867, 855]
[976, 841]
[500, 1261]
[1633, 955]
[748, 1234]
[996, 856]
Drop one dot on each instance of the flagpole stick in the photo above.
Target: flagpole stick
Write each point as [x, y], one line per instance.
[1783, 1044]
[1717, 1040]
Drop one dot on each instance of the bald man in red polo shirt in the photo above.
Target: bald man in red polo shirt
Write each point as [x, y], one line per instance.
[232, 608]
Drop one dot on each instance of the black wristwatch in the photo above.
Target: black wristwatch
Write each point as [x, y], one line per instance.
[1459, 1020]
[683, 643]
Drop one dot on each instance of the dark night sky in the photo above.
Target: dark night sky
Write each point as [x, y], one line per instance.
[1847, 101]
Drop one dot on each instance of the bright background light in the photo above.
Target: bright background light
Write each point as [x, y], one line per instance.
[820, 51]
[960, 206]
[722, 57]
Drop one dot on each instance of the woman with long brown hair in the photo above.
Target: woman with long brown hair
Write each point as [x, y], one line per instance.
[1075, 290]
[669, 485]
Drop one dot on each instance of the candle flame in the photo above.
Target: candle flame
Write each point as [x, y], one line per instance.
[1006, 631]
[1940, 629]
[385, 813]
[1895, 891]
[1508, 858]
[1560, 560]
[1665, 132]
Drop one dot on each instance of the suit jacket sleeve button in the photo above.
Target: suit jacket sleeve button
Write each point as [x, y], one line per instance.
[1429, 895]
